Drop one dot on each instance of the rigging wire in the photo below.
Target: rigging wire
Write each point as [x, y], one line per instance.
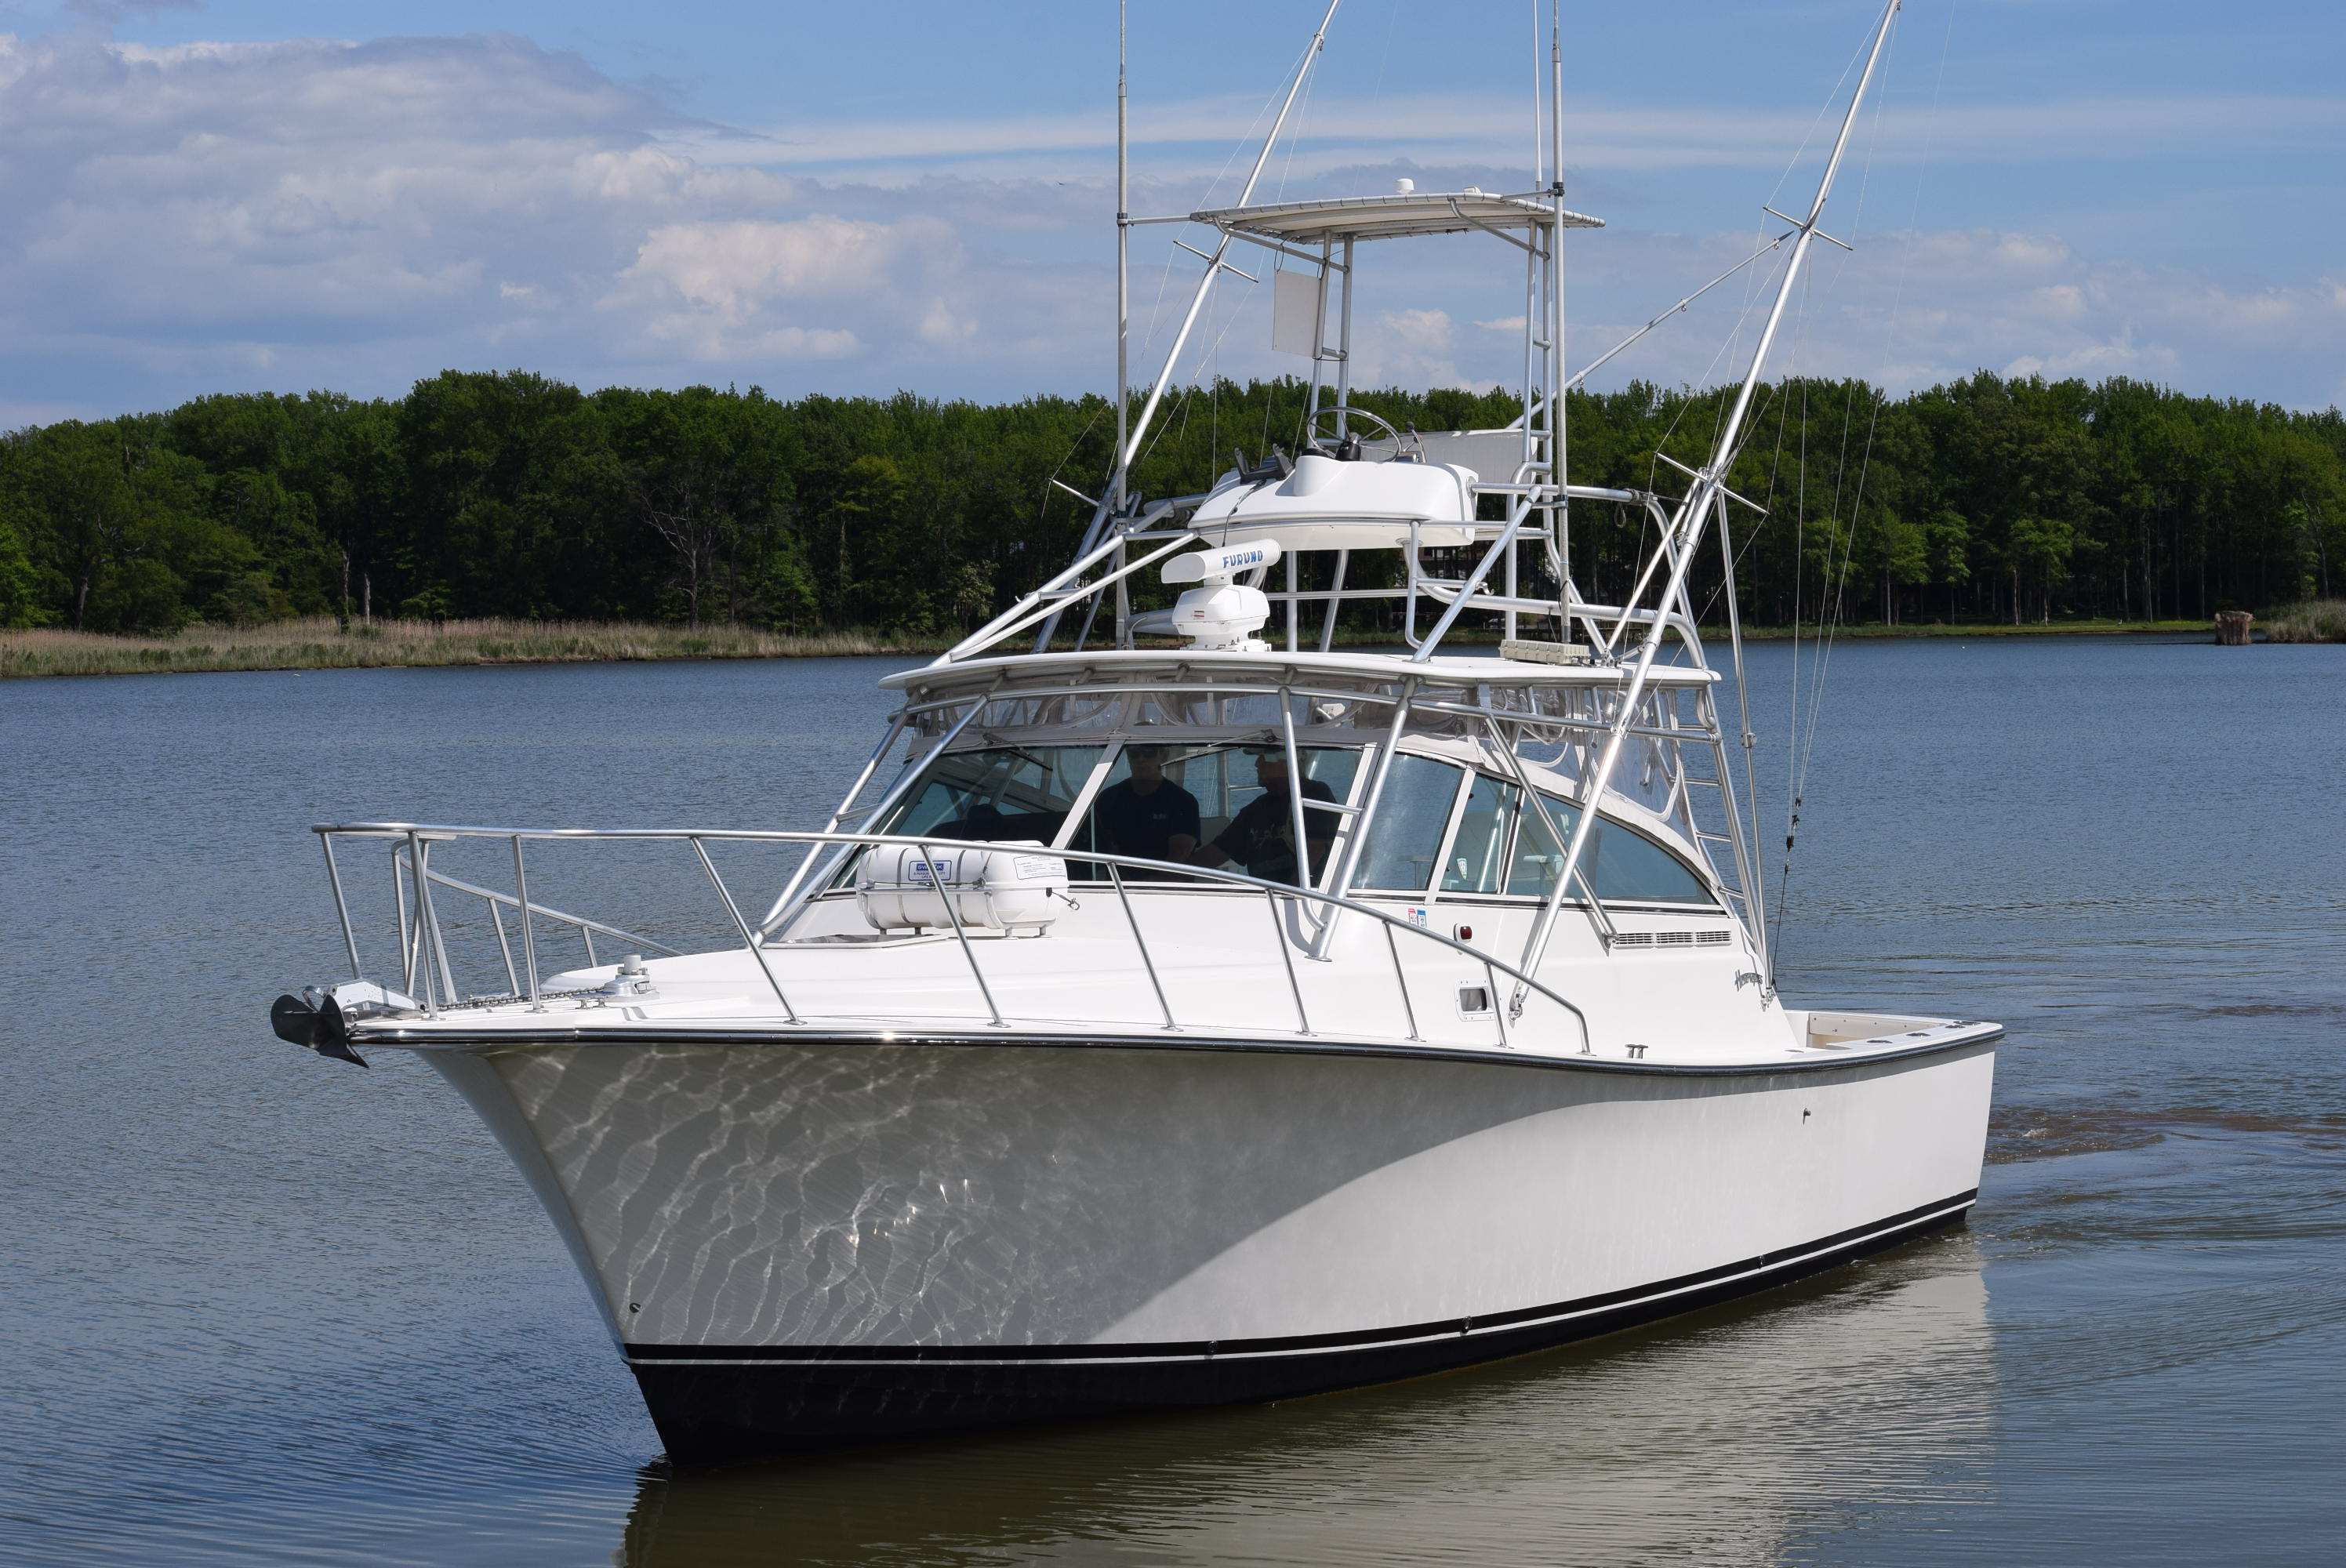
[1795, 769]
[1824, 108]
[1302, 128]
[1734, 561]
[1173, 250]
[1392, 25]
[1840, 577]
[1733, 341]
[1803, 745]
[1752, 293]
[1211, 352]
[1069, 455]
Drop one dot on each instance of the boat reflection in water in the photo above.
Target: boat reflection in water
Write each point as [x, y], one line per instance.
[1789, 1431]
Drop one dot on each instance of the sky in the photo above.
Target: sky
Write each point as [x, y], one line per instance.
[246, 195]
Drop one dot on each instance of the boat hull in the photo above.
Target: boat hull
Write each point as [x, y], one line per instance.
[810, 1244]
[750, 1404]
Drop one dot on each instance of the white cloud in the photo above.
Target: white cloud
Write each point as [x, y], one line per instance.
[806, 342]
[734, 268]
[355, 215]
[1915, 309]
[316, 213]
[940, 325]
[730, 289]
[1414, 348]
[1191, 138]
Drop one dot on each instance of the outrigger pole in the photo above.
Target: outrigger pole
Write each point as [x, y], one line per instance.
[1123, 274]
[1128, 440]
[1556, 473]
[1708, 491]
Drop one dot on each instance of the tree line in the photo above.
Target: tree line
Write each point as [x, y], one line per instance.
[511, 495]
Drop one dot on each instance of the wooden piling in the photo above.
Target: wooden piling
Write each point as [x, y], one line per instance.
[2232, 629]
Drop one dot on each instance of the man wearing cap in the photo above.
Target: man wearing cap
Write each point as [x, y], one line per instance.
[1261, 837]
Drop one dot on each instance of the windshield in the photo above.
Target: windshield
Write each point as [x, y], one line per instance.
[1228, 805]
[1217, 805]
[1012, 792]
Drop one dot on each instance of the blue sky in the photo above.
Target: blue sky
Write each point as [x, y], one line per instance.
[234, 195]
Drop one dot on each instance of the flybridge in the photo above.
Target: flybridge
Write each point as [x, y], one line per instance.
[1355, 482]
[1481, 519]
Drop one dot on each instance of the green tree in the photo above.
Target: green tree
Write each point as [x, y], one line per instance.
[20, 601]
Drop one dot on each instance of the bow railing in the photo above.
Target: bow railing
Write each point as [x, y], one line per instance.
[1161, 972]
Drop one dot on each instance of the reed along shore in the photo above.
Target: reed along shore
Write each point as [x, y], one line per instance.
[320, 643]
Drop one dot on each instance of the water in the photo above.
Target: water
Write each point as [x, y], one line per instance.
[266, 1309]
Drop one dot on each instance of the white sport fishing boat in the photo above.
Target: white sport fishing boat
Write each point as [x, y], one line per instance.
[1094, 1064]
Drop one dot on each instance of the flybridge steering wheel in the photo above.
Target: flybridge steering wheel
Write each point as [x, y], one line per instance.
[1348, 450]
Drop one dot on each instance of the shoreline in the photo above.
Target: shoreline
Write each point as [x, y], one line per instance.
[399, 644]
[321, 644]
[1873, 630]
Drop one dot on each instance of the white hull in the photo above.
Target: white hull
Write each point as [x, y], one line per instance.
[810, 1243]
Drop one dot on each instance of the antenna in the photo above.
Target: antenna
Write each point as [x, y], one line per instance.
[1214, 262]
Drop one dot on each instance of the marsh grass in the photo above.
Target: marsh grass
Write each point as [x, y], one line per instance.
[321, 644]
[2315, 621]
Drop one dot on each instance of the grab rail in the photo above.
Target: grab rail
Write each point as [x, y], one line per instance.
[424, 950]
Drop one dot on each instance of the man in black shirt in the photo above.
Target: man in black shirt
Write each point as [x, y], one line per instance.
[1146, 814]
[1261, 837]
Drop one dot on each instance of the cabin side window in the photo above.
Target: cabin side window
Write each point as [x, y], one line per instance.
[1502, 845]
[1404, 838]
[1632, 869]
[1478, 854]
[1536, 857]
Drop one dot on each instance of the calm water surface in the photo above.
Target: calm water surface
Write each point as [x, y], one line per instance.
[267, 1308]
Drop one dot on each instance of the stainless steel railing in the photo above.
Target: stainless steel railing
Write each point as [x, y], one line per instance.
[428, 975]
[425, 968]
